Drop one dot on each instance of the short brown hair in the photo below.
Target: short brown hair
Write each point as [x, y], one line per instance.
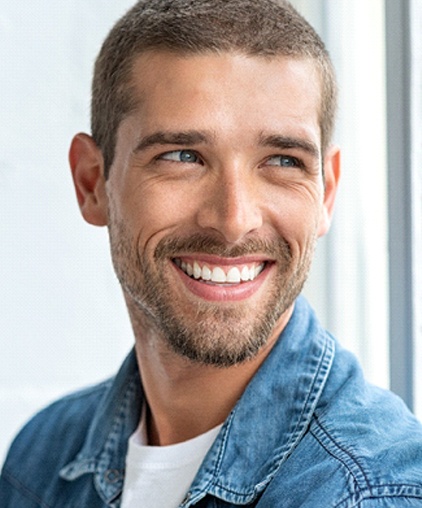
[253, 27]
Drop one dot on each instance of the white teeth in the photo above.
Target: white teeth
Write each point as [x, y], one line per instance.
[218, 275]
[244, 275]
[206, 273]
[196, 270]
[233, 275]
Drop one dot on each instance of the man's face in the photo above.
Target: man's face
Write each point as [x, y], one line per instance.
[215, 198]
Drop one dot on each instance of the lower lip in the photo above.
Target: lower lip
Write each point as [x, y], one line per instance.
[223, 292]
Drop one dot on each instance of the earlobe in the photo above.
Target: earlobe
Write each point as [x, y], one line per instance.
[86, 163]
[332, 176]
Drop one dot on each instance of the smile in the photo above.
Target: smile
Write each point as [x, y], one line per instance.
[220, 274]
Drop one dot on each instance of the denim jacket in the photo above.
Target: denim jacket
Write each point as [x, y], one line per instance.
[307, 432]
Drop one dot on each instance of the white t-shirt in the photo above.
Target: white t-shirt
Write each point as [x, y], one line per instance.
[160, 476]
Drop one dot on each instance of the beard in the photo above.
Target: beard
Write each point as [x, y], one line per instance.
[210, 333]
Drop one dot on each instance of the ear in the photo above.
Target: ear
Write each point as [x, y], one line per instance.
[86, 162]
[331, 180]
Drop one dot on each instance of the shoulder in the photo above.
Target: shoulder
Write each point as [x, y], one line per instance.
[370, 436]
[362, 449]
[51, 438]
[64, 422]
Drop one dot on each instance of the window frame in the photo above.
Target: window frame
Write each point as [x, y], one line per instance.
[404, 87]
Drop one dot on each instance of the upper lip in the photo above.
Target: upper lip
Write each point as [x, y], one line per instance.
[214, 260]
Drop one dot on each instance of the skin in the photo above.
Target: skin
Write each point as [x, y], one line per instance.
[247, 189]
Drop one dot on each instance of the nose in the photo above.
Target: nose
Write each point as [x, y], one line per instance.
[231, 207]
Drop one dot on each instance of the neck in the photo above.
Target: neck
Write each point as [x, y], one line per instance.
[186, 399]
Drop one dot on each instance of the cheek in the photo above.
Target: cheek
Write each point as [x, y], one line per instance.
[157, 212]
[296, 216]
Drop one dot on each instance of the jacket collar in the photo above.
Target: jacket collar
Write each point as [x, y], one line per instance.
[272, 415]
[258, 436]
[116, 419]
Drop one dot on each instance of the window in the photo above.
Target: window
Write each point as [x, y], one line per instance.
[349, 283]
[404, 50]
[368, 275]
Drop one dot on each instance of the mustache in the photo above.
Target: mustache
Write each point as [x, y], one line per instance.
[277, 249]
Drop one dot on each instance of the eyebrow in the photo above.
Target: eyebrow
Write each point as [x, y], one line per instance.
[172, 138]
[288, 142]
[194, 137]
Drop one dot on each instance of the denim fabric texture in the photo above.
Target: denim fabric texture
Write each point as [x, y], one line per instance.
[308, 432]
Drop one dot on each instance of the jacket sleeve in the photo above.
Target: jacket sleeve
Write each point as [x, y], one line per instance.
[13, 495]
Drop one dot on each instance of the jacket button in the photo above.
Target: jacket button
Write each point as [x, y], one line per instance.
[112, 475]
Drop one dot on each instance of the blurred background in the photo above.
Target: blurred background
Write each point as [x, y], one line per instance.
[62, 318]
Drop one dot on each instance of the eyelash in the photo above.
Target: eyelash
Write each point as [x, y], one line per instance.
[191, 153]
[294, 161]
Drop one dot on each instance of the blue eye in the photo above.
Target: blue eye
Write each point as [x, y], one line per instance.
[284, 161]
[180, 156]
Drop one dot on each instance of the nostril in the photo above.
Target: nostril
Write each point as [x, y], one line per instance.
[230, 206]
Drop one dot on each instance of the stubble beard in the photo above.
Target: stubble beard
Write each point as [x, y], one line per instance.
[208, 333]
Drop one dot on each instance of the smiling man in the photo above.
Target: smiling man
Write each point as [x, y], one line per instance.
[211, 164]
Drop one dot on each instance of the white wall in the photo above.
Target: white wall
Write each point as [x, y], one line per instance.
[62, 318]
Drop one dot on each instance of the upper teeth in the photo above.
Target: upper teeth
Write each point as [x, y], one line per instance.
[218, 274]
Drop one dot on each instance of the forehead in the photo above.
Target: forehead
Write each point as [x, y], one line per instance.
[225, 90]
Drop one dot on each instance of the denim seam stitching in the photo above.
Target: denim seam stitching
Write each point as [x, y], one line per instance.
[24, 490]
[212, 482]
[108, 449]
[339, 459]
[368, 494]
[303, 422]
[305, 416]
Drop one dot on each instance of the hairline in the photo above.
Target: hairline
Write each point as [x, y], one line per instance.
[132, 98]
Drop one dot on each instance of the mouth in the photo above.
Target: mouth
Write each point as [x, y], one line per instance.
[222, 279]
[220, 274]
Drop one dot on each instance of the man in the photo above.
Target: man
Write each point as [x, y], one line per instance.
[211, 164]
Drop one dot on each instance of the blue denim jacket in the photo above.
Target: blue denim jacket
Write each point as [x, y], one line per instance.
[307, 432]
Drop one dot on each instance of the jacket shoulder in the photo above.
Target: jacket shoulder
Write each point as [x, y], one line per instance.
[363, 448]
[50, 440]
[369, 434]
